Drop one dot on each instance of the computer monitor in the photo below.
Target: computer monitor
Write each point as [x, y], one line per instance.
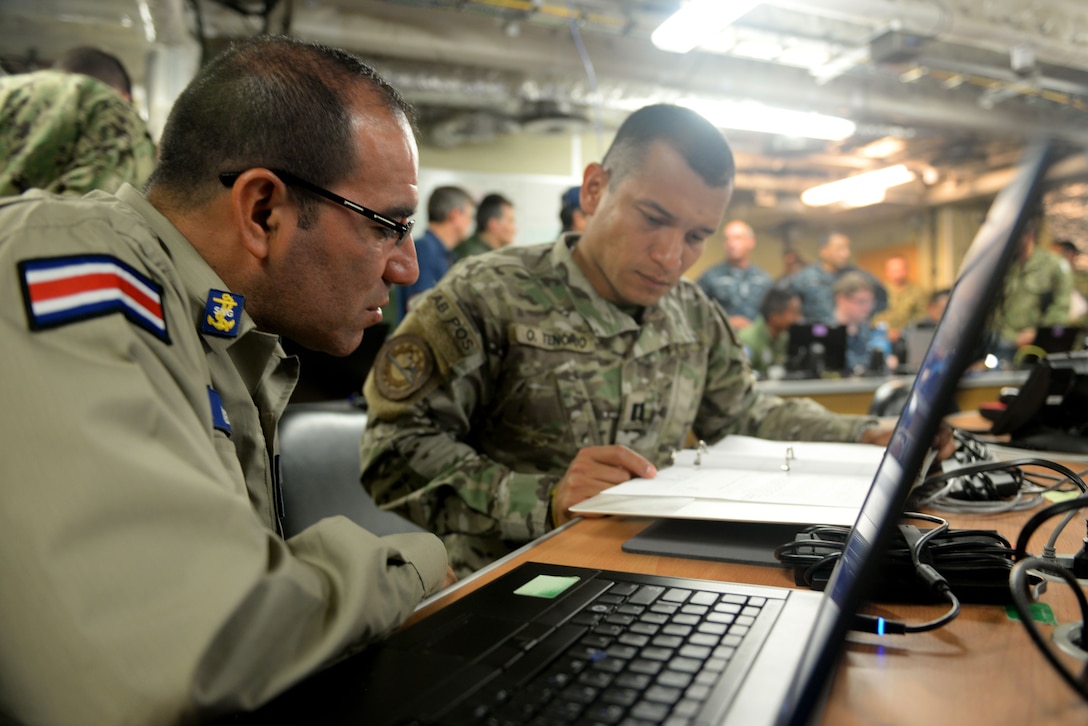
[815, 349]
[953, 349]
[1058, 338]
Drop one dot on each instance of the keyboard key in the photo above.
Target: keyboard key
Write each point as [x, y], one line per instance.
[667, 641]
[676, 594]
[685, 665]
[663, 694]
[644, 628]
[699, 652]
[650, 711]
[646, 595]
[649, 667]
[624, 696]
[680, 631]
[704, 598]
[623, 589]
[657, 653]
[638, 640]
[707, 639]
[675, 679]
[629, 680]
[605, 713]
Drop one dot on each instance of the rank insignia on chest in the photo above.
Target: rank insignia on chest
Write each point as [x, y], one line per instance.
[222, 312]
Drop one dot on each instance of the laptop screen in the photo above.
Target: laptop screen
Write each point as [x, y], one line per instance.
[816, 348]
[953, 347]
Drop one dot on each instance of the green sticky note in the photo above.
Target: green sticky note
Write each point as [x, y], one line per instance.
[1062, 496]
[1040, 613]
[547, 586]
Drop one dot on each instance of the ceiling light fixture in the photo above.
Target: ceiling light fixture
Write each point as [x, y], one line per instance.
[882, 148]
[859, 190]
[697, 21]
[748, 116]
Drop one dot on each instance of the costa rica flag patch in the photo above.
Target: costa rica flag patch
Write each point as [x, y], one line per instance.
[62, 290]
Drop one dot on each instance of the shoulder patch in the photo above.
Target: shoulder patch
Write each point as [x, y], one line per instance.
[62, 290]
[403, 365]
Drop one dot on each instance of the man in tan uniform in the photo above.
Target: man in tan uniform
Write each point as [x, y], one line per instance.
[534, 377]
[146, 577]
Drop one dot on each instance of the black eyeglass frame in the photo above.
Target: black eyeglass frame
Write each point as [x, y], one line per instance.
[228, 178]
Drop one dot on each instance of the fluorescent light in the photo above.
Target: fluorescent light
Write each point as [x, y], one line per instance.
[860, 189]
[882, 148]
[696, 21]
[748, 116]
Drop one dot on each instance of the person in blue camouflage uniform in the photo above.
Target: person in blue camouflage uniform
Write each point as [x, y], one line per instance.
[534, 377]
[738, 284]
[1038, 290]
[815, 281]
[72, 129]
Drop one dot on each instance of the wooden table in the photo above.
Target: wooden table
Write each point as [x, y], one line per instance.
[982, 668]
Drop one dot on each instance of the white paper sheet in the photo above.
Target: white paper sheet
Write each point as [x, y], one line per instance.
[745, 479]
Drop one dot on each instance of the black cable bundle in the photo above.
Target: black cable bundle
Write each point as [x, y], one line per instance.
[975, 563]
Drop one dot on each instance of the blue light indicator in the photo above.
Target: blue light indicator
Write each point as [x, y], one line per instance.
[880, 626]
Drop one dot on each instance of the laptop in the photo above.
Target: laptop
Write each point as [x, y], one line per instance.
[814, 349]
[555, 644]
[916, 340]
[1058, 338]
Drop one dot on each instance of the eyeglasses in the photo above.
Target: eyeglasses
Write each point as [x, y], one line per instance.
[403, 230]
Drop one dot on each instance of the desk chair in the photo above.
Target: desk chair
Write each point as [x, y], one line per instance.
[319, 460]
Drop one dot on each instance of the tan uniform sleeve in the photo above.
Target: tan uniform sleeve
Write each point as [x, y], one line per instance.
[141, 585]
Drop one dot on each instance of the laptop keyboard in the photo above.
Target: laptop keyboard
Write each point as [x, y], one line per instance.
[636, 654]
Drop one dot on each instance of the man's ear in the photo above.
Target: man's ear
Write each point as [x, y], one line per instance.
[261, 208]
[594, 184]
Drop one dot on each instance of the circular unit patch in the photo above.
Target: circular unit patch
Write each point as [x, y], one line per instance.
[403, 365]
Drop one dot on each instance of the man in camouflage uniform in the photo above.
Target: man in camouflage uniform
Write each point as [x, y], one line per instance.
[496, 226]
[767, 339]
[72, 129]
[534, 377]
[737, 284]
[1038, 289]
[906, 301]
[815, 281]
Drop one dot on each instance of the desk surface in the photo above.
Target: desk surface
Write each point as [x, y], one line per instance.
[980, 669]
[854, 394]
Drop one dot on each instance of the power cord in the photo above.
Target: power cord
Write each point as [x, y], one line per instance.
[822, 545]
[971, 485]
[1022, 597]
[922, 558]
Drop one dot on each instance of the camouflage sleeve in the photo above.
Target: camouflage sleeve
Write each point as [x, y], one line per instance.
[732, 405]
[114, 148]
[430, 379]
[1057, 313]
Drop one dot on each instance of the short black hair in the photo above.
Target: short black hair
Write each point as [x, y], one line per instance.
[1068, 246]
[490, 208]
[96, 64]
[777, 299]
[272, 102]
[702, 145]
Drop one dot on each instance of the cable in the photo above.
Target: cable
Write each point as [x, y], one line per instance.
[981, 493]
[1022, 602]
[812, 556]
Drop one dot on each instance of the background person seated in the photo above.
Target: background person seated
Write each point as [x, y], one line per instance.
[853, 299]
[766, 340]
